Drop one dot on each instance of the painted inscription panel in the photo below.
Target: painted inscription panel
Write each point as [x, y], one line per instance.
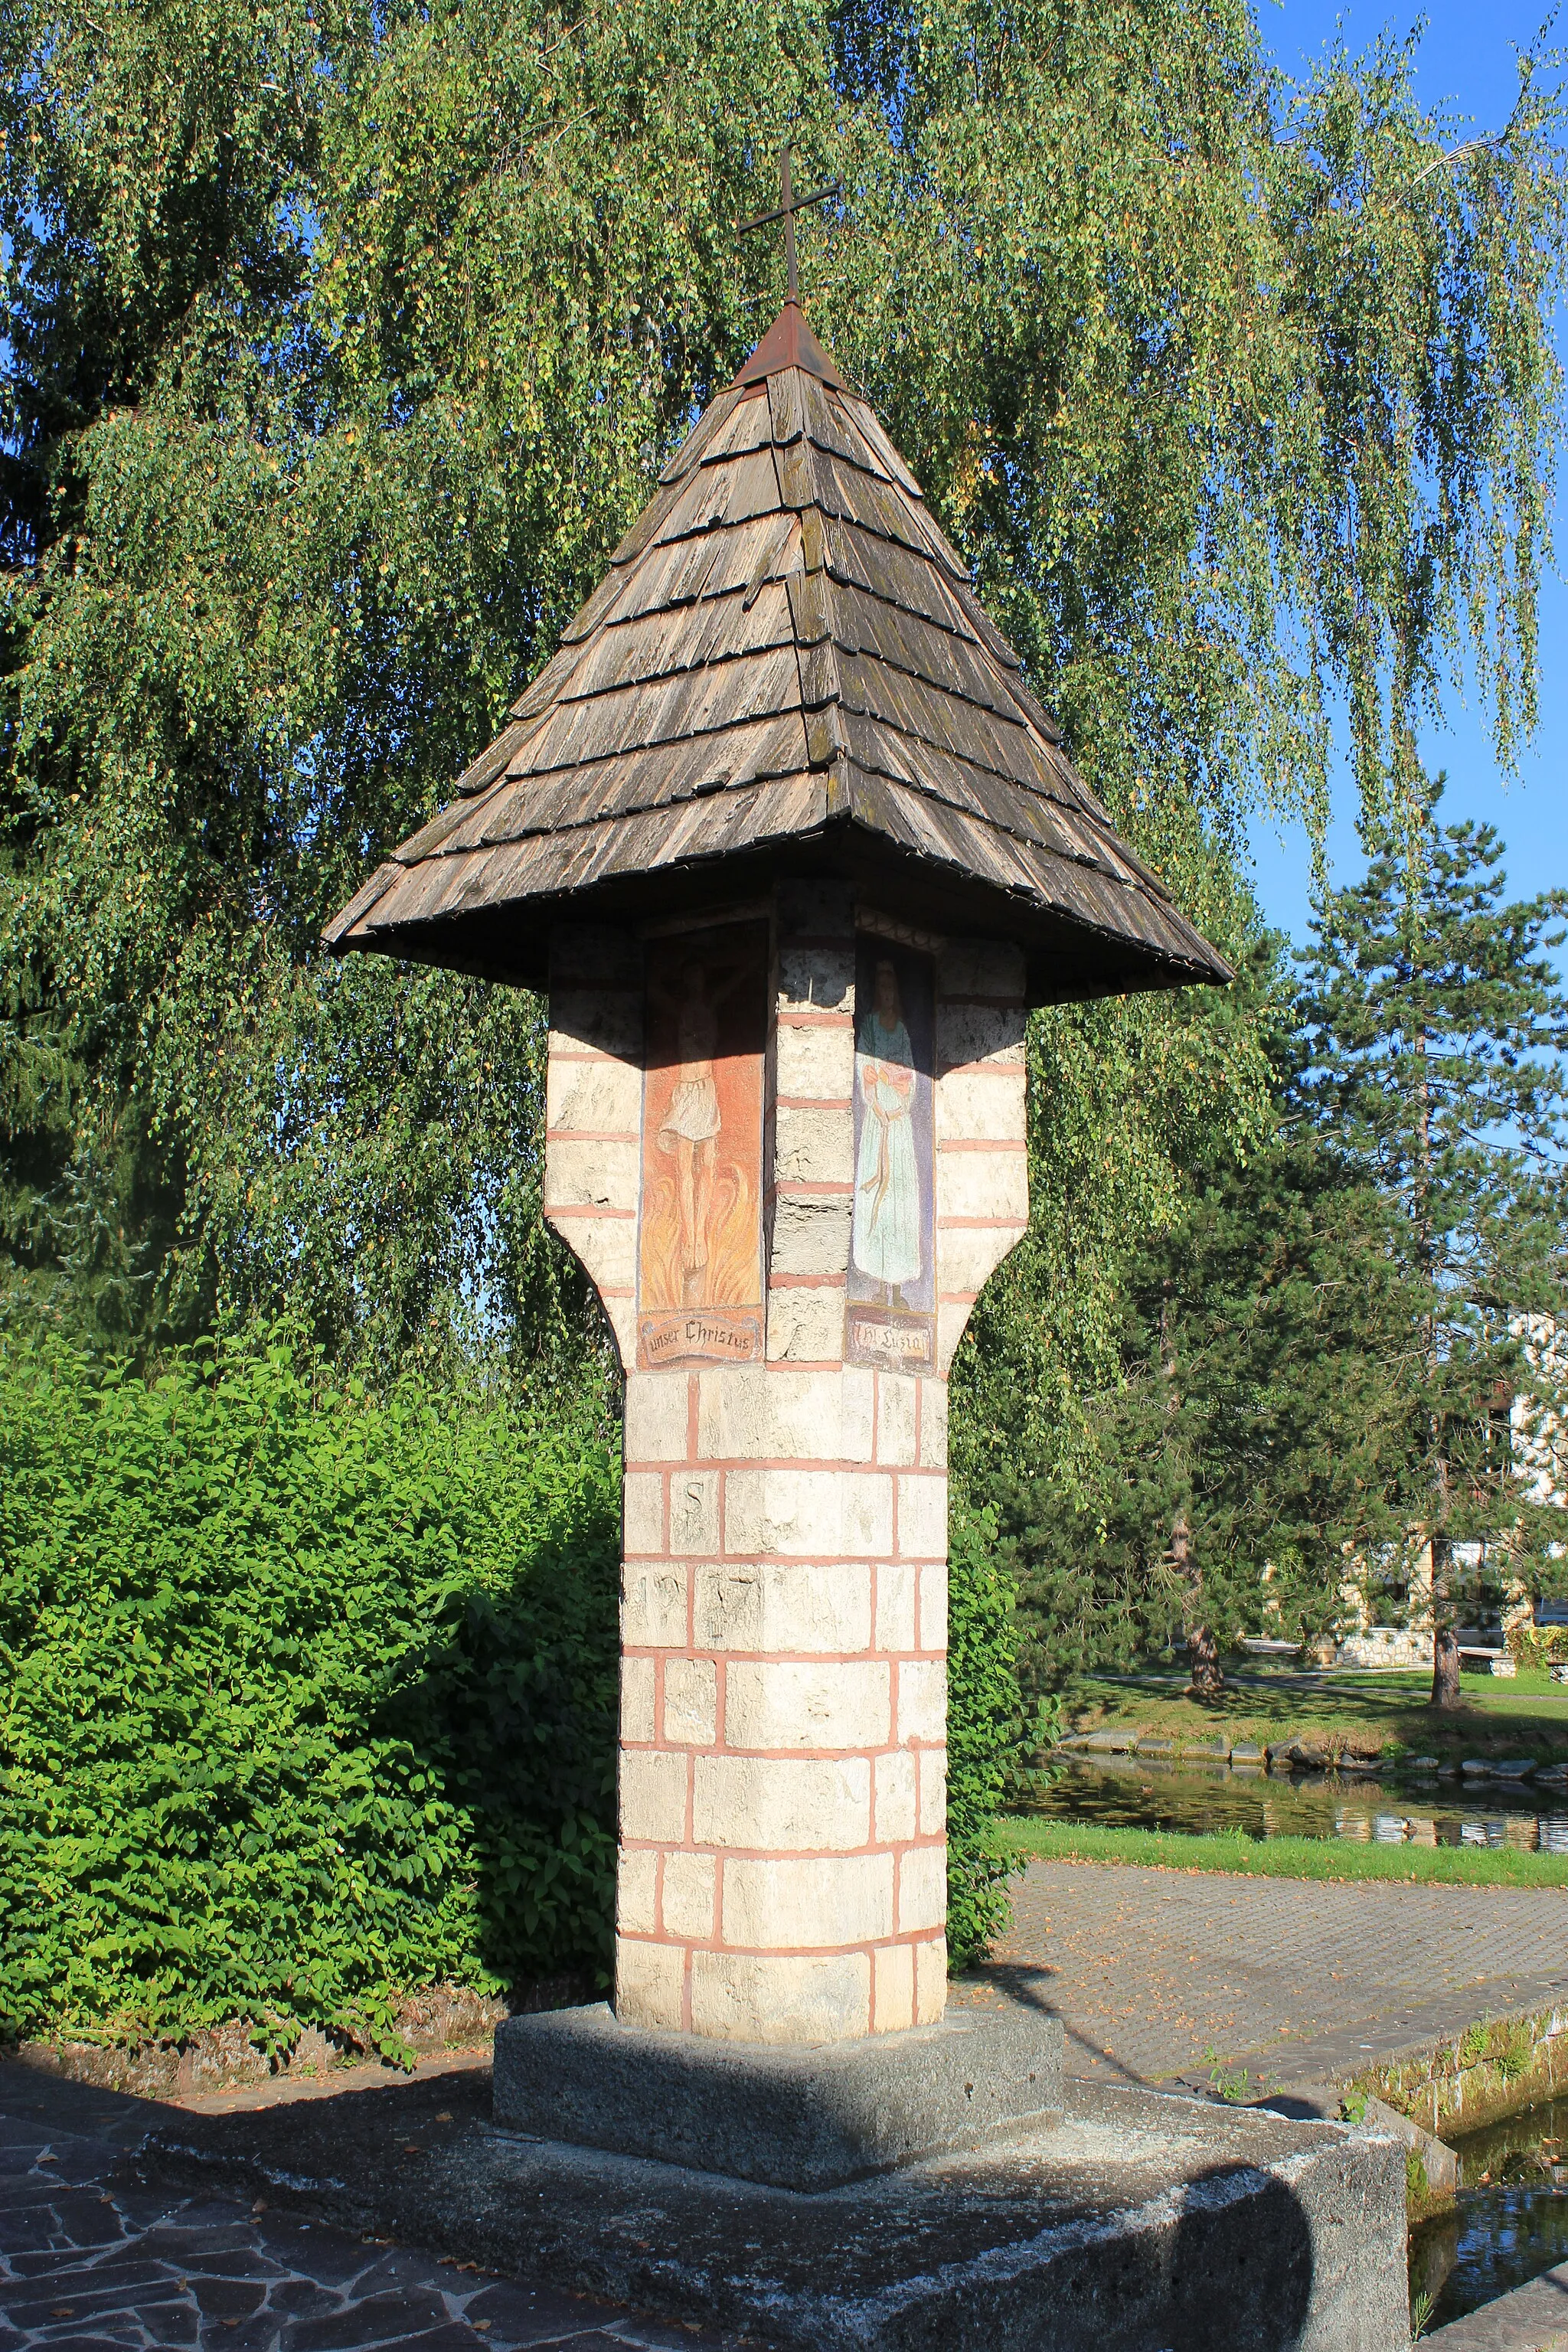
[700, 1238]
[891, 1304]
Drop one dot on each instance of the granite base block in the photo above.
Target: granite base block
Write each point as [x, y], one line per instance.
[1142, 2223]
[800, 2118]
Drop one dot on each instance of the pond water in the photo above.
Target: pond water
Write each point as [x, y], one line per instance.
[1510, 2221]
[1143, 1792]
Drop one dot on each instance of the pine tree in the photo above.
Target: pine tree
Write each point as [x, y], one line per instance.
[1435, 1022]
[1256, 1427]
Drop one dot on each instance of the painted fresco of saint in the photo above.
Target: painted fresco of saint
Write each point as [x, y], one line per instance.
[691, 1125]
[886, 1237]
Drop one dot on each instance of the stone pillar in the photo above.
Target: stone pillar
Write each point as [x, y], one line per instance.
[783, 1769]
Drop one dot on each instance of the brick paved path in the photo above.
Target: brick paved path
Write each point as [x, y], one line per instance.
[90, 2262]
[1150, 1969]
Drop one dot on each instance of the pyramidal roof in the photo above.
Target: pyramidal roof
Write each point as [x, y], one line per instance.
[784, 668]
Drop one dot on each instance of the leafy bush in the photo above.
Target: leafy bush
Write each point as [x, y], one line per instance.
[307, 1696]
[1537, 1647]
[986, 1733]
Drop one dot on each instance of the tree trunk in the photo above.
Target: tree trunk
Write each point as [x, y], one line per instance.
[1445, 1668]
[1208, 1681]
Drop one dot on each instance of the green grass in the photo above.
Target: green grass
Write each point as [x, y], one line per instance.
[1528, 1715]
[1286, 1857]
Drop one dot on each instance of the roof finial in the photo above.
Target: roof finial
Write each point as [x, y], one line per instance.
[788, 206]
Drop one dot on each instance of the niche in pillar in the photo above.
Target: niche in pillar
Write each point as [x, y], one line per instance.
[890, 1305]
[699, 1255]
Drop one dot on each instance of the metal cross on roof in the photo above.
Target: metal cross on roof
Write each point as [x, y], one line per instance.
[787, 206]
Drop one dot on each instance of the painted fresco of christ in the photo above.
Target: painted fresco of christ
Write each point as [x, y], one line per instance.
[886, 1234]
[691, 1125]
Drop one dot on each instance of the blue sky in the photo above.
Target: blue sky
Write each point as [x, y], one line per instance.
[1466, 58]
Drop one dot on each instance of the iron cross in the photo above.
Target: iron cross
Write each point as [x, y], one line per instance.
[786, 209]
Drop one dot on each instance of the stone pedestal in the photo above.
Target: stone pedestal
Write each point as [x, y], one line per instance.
[800, 2118]
[788, 1146]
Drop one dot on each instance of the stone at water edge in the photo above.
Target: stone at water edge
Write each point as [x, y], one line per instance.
[1498, 1767]
[1246, 1752]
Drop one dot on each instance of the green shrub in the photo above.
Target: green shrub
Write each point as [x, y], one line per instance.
[1537, 1647]
[307, 1698]
[985, 1734]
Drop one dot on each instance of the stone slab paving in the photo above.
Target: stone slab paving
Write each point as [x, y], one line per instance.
[1150, 1969]
[1533, 2318]
[92, 2259]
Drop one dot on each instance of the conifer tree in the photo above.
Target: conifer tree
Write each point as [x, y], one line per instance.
[1436, 1020]
[1254, 1428]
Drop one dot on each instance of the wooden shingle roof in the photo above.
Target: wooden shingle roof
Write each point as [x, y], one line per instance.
[785, 670]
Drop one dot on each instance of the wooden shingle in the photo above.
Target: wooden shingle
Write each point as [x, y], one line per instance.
[783, 670]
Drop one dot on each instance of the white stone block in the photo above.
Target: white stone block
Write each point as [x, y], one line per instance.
[597, 1021]
[606, 1246]
[868, 1514]
[981, 968]
[783, 1607]
[807, 1326]
[894, 1780]
[933, 1424]
[985, 1102]
[593, 1098]
[815, 1061]
[922, 1701]
[781, 1804]
[931, 1980]
[896, 1399]
[653, 1605]
[694, 1513]
[967, 1256]
[811, 1236]
[637, 1891]
[642, 1513]
[773, 1704]
[809, 1904]
[922, 1888]
[806, 1514]
[754, 1997]
[895, 1606]
[652, 1797]
[657, 1417]
[755, 1412]
[690, 1702]
[814, 1146]
[636, 1700]
[648, 1983]
[620, 1314]
[992, 1184]
[933, 1605]
[922, 1516]
[893, 1971]
[600, 1174]
[690, 1883]
[978, 1033]
[933, 1793]
[816, 978]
